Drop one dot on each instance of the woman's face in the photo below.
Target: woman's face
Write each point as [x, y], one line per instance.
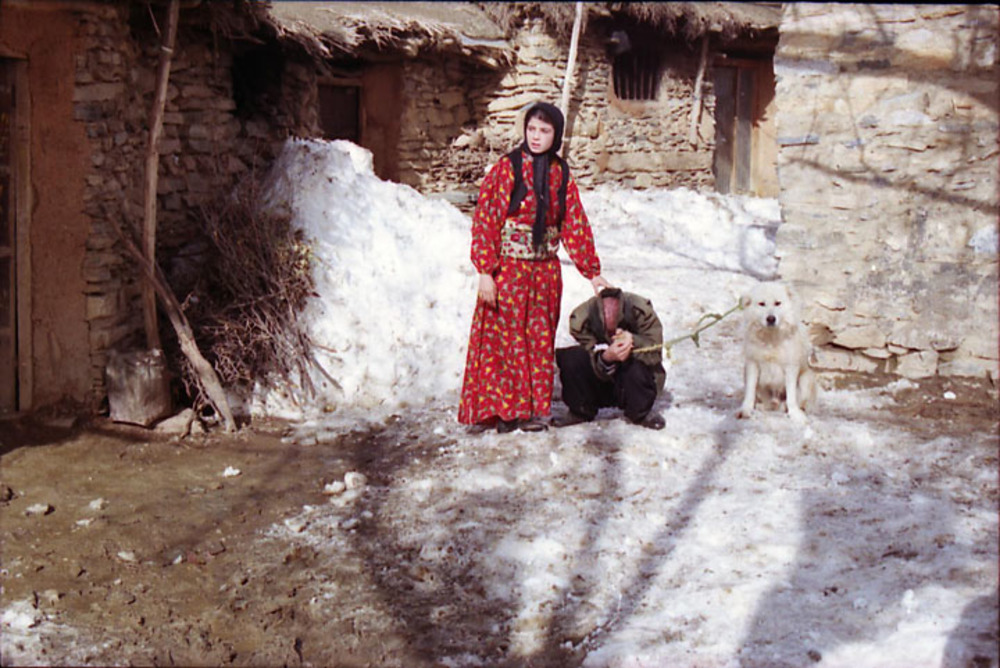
[539, 135]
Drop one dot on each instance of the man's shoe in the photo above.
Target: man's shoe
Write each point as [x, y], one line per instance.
[568, 420]
[652, 421]
[534, 424]
[507, 426]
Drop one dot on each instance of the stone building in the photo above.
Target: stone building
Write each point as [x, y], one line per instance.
[642, 108]
[76, 84]
[879, 140]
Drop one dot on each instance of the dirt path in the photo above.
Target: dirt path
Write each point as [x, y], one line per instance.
[151, 549]
[118, 549]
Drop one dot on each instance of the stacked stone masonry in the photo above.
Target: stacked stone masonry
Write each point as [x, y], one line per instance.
[205, 149]
[895, 256]
[458, 121]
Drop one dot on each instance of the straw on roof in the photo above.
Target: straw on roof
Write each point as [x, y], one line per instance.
[690, 19]
[330, 28]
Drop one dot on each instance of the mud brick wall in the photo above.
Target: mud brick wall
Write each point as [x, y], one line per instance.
[888, 167]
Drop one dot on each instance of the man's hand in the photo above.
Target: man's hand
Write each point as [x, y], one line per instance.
[487, 290]
[620, 348]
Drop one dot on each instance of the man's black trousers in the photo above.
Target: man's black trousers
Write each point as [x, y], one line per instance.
[633, 387]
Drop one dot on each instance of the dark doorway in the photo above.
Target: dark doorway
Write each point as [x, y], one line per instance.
[340, 111]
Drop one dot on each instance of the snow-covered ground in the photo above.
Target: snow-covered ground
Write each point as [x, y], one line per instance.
[846, 542]
[715, 542]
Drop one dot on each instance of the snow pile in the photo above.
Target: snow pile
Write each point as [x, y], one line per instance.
[396, 290]
[392, 276]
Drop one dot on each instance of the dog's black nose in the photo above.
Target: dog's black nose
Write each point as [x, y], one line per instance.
[770, 320]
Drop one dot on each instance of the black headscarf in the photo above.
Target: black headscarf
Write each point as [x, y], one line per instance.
[541, 168]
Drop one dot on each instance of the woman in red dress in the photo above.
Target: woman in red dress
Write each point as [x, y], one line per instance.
[516, 232]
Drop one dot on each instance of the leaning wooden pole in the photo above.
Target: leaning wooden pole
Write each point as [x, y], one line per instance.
[205, 373]
[152, 171]
[571, 61]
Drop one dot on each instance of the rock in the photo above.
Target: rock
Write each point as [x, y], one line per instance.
[860, 336]
[49, 596]
[355, 480]
[296, 524]
[178, 424]
[39, 509]
[333, 488]
[921, 364]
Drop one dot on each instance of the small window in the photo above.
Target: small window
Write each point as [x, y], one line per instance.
[340, 112]
[637, 74]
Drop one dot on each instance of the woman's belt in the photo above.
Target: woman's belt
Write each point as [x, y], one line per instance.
[515, 242]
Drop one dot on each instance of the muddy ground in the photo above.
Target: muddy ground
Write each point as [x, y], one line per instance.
[131, 548]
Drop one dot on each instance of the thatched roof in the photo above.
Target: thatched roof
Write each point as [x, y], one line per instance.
[689, 19]
[694, 19]
[329, 29]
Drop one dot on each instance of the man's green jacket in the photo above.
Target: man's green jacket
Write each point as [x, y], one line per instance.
[586, 325]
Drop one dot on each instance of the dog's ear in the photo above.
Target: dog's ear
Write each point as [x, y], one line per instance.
[745, 300]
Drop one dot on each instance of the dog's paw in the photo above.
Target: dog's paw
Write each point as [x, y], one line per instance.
[744, 413]
[797, 416]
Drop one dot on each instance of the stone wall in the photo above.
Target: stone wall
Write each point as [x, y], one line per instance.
[888, 168]
[205, 149]
[114, 126]
[458, 120]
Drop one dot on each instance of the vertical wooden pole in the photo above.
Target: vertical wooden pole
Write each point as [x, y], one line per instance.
[571, 62]
[152, 171]
[699, 81]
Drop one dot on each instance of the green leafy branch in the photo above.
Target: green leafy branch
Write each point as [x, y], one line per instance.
[711, 318]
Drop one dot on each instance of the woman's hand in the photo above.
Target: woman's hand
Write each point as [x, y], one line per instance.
[599, 283]
[487, 290]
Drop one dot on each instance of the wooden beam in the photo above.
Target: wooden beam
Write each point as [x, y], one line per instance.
[153, 170]
[208, 379]
[696, 102]
[571, 63]
[21, 159]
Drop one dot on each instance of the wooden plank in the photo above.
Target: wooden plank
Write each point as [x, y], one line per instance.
[23, 204]
[8, 284]
[725, 118]
[743, 148]
[152, 173]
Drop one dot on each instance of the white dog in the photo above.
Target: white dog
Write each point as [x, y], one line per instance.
[776, 353]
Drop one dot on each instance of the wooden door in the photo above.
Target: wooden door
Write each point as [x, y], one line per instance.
[745, 160]
[8, 268]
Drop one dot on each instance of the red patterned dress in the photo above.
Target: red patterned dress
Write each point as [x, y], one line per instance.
[509, 369]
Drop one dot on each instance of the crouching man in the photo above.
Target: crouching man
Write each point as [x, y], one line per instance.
[603, 371]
